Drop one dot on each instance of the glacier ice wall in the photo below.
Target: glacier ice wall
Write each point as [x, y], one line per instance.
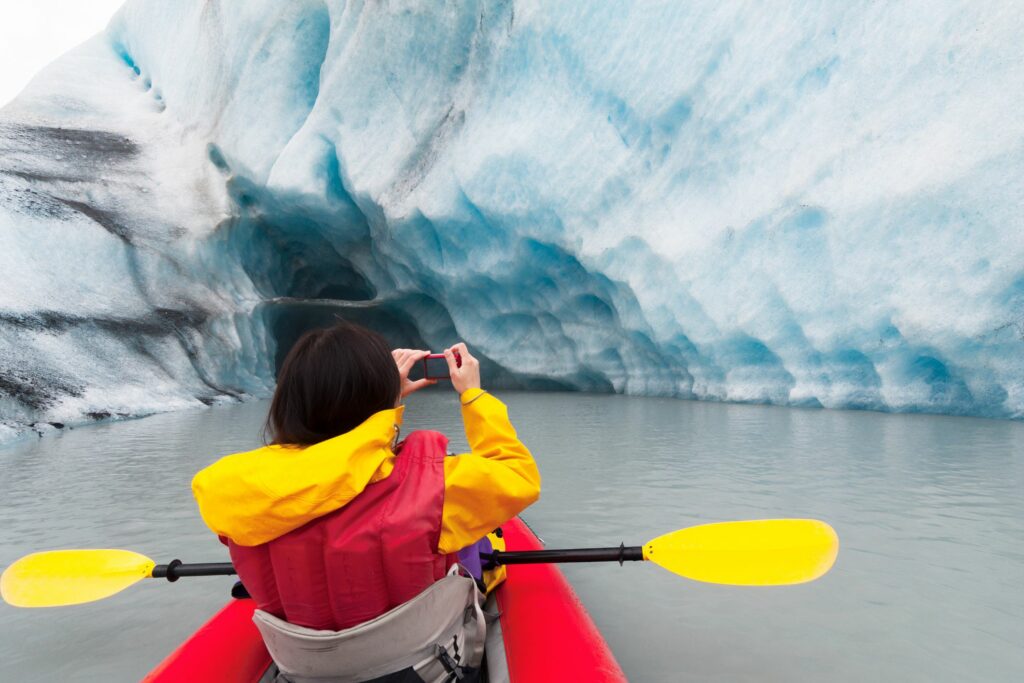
[800, 203]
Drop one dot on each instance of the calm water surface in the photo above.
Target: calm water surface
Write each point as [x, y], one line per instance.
[929, 584]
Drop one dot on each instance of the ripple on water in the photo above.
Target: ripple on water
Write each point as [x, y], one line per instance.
[927, 585]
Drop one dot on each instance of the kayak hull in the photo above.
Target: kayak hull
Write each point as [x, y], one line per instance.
[545, 631]
[226, 648]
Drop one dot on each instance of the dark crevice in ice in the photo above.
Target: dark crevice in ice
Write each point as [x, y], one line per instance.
[33, 393]
[40, 389]
[83, 144]
[105, 219]
[160, 322]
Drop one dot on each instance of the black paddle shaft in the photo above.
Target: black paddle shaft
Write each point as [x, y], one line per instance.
[620, 555]
[174, 570]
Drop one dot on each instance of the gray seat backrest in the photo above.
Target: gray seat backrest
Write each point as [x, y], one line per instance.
[441, 627]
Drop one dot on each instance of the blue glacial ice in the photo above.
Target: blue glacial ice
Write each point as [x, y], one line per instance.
[813, 204]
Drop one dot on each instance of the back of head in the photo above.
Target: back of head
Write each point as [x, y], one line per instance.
[331, 381]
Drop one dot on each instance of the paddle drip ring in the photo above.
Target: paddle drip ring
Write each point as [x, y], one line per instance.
[172, 575]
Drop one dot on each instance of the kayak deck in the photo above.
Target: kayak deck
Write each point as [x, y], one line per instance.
[544, 628]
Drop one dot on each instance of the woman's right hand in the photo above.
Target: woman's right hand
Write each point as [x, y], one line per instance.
[466, 376]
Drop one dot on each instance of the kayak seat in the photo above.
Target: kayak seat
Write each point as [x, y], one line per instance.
[437, 636]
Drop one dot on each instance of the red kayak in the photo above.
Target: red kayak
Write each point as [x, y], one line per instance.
[544, 634]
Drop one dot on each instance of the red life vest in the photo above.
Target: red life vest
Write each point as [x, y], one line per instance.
[354, 564]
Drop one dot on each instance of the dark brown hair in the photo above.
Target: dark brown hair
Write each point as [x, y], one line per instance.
[330, 382]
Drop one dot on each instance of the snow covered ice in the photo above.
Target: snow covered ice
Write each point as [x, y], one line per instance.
[803, 205]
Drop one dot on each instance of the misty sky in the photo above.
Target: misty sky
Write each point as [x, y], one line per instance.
[34, 33]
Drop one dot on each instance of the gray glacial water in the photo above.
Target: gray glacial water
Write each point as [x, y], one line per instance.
[929, 584]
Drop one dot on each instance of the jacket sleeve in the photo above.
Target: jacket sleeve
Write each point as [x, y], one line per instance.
[492, 483]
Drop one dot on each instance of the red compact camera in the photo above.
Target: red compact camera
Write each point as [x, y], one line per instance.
[435, 366]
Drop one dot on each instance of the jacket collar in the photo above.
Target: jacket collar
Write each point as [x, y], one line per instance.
[256, 496]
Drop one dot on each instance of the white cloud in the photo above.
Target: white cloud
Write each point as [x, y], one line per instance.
[34, 33]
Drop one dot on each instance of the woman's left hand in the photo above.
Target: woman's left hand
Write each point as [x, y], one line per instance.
[405, 359]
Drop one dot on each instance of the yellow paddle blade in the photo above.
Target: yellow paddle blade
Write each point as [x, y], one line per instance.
[71, 577]
[764, 552]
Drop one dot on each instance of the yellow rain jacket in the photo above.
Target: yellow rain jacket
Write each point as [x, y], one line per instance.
[257, 496]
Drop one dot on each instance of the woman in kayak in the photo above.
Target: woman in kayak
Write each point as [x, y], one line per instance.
[336, 522]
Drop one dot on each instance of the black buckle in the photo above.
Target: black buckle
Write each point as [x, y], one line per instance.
[451, 667]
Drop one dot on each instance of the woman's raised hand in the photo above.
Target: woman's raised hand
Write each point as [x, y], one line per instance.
[405, 359]
[465, 369]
